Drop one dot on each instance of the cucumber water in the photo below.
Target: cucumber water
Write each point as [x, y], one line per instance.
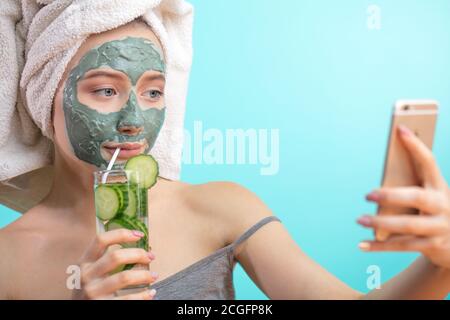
[124, 204]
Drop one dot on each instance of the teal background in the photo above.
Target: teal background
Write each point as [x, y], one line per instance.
[315, 71]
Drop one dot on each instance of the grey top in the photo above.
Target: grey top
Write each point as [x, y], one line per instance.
[211, 278]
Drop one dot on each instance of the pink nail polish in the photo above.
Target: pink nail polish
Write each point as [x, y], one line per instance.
[374, 196]
[152, 292]
[154, 274]
[404, 131]
[151, 255]
[138, 233]
[365, 221]
[364, 246]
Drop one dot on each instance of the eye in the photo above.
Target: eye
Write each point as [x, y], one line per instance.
[154, 95]
[106, 92]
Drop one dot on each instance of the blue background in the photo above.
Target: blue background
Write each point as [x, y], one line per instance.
[314, 70]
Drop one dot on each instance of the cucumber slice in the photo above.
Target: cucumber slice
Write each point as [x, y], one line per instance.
[119, 224]
[128, 266]
[130, 224]
[143, 199]
[146, 166]
[119, 269]
[141, 227]
[143, 242]
[107, 202]
[122, 194]
[131, 208]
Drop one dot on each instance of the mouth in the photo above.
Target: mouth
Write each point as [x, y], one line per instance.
[127, 150]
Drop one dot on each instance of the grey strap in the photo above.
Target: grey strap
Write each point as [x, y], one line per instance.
[253, 229]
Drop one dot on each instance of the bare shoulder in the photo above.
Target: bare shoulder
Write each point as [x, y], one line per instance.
[231, 206]
[10, 237]
[25, 226]
[18, 240]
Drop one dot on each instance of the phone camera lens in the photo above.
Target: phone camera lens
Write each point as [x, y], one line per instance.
[406, 108]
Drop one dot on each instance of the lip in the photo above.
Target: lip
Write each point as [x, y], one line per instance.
[123, 146]
[127, 150]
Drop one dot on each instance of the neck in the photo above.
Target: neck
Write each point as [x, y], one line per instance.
[72, 190]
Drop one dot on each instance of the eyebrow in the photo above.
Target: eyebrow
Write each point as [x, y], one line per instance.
[152, 77]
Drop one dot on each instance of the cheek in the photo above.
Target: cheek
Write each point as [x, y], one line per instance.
[153, 120]
[61, 139]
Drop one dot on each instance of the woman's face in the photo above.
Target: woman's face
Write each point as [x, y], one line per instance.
[112, 95]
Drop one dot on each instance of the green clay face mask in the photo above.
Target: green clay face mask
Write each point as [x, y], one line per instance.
[87, 127]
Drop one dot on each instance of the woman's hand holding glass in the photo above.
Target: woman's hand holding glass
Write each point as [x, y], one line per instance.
[104, 255]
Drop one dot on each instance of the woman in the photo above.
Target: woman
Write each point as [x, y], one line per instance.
[197, 232]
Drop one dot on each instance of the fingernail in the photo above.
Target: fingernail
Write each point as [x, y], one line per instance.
[138, 233]
[152, 292]
[374, 196]
[364, 246]
[365, 221]
[404, 131]
[154, 274]
[151, 255]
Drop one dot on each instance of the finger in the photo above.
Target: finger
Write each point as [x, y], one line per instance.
[423, 156]
[408, 225]
[121, 280]
[397, 243]
[145, 295]
[428, 201]
[105, 239]
[115, 258]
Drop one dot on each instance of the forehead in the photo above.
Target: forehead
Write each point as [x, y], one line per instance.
[131, 55]
[133, 29]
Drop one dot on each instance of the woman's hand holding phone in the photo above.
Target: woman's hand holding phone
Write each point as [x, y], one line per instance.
[428, 232]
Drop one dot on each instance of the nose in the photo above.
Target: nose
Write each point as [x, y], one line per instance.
[130, 130]
[131, 119]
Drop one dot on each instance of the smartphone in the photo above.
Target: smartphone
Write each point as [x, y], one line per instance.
[420, 116]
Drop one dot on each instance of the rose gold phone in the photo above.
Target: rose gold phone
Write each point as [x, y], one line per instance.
[420, 116]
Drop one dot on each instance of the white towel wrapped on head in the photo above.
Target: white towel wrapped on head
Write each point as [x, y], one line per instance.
[38, 38]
